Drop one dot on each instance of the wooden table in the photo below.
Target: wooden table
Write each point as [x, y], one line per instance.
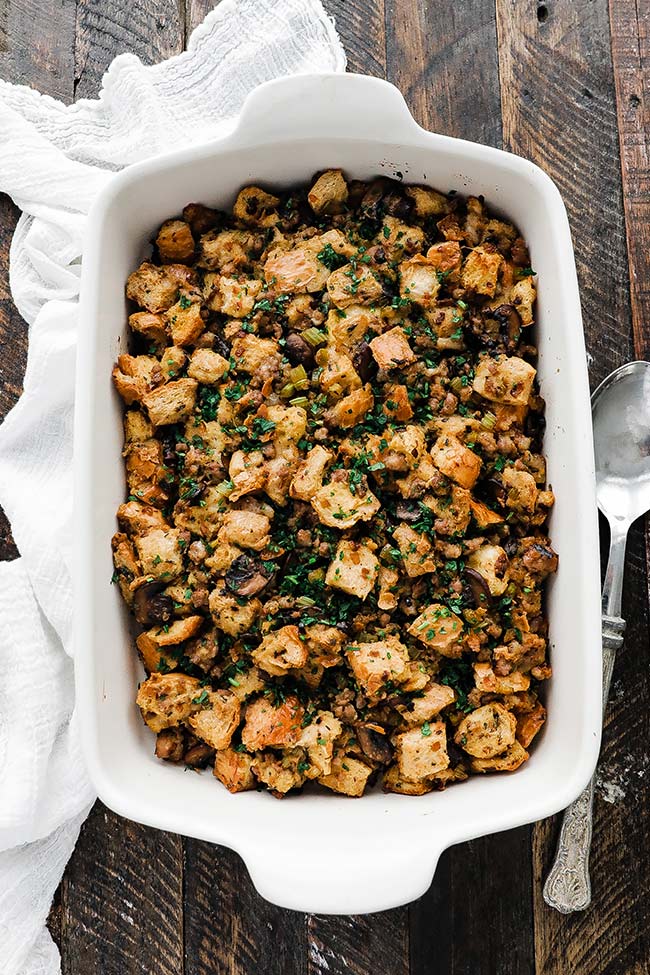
[561, 82]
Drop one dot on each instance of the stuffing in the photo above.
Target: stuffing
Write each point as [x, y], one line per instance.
[333, 537]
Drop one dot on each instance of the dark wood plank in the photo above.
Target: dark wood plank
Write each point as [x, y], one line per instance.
[152, 29]
[630, 27]
[443, 58]
[362, 29]
[229, 928]
[358, 945]
[36, 44]
[480, 900]
[558, 109]
[195, 12]
[122, 900]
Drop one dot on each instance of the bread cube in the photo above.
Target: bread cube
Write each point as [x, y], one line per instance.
[480, 272]
[268, 726]
[165, 700]
[229, 615]
[329, 193]
[419, 281]
[421, 752]
[175, 242]
[487, 731]
[391, 350]
[374, 664]
[215, 723]
[350, 285]
[151, 288]
[281, 651]
[234, 770]
[416, 550]
[337, 507]
[456, 461]
[506, 380]
[172, 402]
[207, 367]
[309, 476]
[348, 776]
[353, 569]
[351, 409]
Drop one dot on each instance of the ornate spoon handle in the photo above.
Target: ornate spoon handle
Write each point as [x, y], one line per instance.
[567, 886]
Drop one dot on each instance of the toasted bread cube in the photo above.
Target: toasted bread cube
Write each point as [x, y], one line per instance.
[318, 738]
[309, 476]
[484, 516]
[446, 258]
[338, 372]
[491, 562]
[248, 529]
[347, 329]
[522, 296]
[215, 723]
[290, 424]
[487, 732]
[250, 352]
[456, 461]
[475, 220]
[137, 428]
[419, 280]
[422, 751]
[151, 288]
[281, 651]
[235, 297]
[295, 271]
[159, 553]
[391, 350]
[397, 404]
[172, 360]
[207, 367]
[397, 238]
[394, 781]
[228, 249]
[434, 698]
[416, 550]
[175, 242]
[507, 380]
[522, 490]
[172, 402]
[337, 507]
[268, 726]
[348, 776]
[480, 272]
[329, 193]
[166, 700]
[528, 725]
[374, 664]
[229, 616]
[151, 643]
[151, 327]
[388, 583]
[137, 518]
[254, 206]
[185, 322]
[437, 627]
[488, 682]
[234, 769]
[353, 569]
[280, 773]
[126, 565]
[351, 409]
[353, 286]
[509, 761]
[428, 202]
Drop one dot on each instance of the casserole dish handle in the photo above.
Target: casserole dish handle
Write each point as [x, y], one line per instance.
[316, 106]
[373, 874]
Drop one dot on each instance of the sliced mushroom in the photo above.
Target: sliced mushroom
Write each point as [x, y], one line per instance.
[364, 362]
[150, 605]
[199, 755]
[247, 576]
[298, 352]
[408, 511]
[509, 325]
[374, 743]
[481, 595]
[170, 744]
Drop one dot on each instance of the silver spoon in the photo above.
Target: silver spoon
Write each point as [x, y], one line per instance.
[621, 418]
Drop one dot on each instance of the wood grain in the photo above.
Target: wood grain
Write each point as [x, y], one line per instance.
[229, 928]
[122, 900]
[630, 30]
[443, 57]
[558, 108]
[362, 28]
[36, 44]
[356, 945]
[153, 30]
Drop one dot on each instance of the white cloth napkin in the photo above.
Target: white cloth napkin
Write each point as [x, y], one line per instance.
[53, 161]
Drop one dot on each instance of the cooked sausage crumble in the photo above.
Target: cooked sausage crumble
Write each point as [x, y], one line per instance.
[334, 539]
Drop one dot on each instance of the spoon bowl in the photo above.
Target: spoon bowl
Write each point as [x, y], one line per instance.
[621, 421]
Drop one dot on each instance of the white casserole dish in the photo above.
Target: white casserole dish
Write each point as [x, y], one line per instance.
[325, 853]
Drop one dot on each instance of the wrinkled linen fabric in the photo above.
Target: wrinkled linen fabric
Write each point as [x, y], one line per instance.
[54, 159]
